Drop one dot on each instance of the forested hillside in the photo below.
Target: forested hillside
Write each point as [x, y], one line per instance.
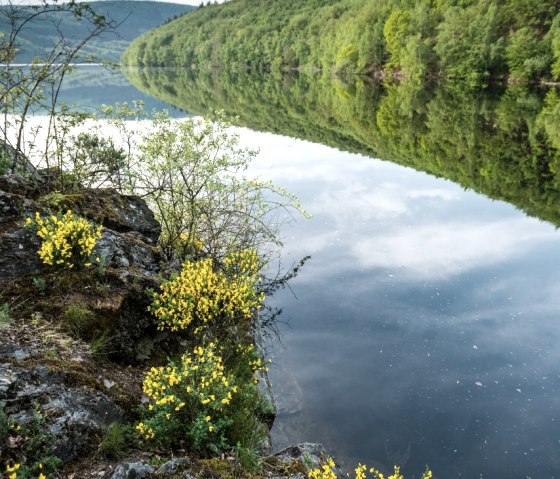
[473, 40]
[133, 19]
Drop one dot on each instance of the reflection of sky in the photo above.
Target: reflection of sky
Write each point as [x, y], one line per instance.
[427, 318]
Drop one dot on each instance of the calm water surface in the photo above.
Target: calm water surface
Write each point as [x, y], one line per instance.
[425, 328]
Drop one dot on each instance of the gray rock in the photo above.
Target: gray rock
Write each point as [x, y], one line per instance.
[310, 454]
[120, 213]
[18, 254]
[129, 236]
[12, 351]
[120, 250]
[74, 417]
[172, 466]
[131, 470]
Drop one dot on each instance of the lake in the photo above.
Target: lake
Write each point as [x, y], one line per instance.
[425, 328]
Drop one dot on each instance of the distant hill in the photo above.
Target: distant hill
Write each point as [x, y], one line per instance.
[474, 41]
[134, 18]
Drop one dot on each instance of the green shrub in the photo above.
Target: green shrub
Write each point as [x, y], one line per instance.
[77, 319]
[203, 402]
[31, 454]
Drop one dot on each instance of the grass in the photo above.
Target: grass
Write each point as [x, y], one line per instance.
[77, 319]
[5, 317]
[99, 344]
[115, 441]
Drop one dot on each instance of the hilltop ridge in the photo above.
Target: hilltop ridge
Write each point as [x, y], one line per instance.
[476, 41]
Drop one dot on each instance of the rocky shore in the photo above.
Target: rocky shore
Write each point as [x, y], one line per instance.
[73, 379]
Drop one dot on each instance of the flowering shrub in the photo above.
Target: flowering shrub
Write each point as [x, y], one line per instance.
[326, 471]
[27, 450]
[189, 400]
[196, 400]
[17, 472]
[68, 240]
[201, 294]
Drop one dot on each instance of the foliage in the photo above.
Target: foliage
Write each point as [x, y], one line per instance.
[528, 56]
[326, 471]
[25, 89]
[191, 173]
[194, 401]
[67, 240]
[421, 40]
[205, 297]
[116, 441]
[27, 450]
[40, 284]
[130, 22]
[5, 313]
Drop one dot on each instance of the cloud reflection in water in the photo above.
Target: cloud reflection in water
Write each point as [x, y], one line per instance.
[428, 316]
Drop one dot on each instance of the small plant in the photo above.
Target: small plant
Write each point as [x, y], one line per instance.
[54, 199]
[102, 289]
[99, 344]
[67, 240]
[3, 425]
[115, 441]
[77, 319]
[5, 317]
[102, 263]
[40, 285]
[201, 294]
[30, 451]
[326, 471]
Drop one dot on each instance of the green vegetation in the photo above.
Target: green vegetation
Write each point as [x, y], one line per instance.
[504, 144]
[116, 441]
[33, 444]
[67, 240]
[328, 467]
[473, 40]
[196, 401]
[5, 313]
[203, 299]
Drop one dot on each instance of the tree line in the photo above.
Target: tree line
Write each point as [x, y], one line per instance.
[476, 41]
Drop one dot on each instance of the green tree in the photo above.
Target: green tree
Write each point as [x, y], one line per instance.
[528, 56]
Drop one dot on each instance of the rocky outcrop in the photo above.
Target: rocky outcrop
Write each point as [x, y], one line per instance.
[129, 236]
[74, 419]
[47, 369]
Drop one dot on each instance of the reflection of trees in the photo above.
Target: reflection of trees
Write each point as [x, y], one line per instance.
[504, 144]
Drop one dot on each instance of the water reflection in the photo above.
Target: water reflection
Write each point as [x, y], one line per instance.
[425, 327]
[502, 143]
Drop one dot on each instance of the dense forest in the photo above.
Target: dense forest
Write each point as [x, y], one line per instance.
[473, 40]
[504, 144]
[38, 37]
